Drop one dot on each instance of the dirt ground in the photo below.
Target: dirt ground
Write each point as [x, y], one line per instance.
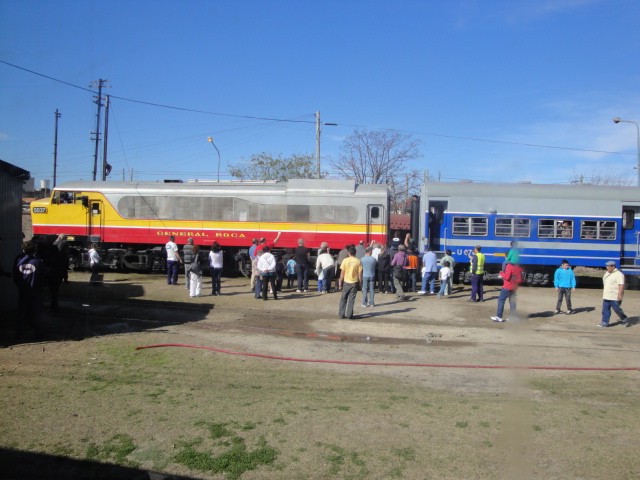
[424, 350]
[285, 389]
[419, 330]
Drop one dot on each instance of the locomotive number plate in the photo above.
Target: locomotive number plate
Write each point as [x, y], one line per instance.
[39, 209]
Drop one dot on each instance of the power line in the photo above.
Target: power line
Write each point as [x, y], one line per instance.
[284, 120]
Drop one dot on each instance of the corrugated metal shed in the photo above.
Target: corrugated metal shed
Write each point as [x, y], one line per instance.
[11, 180]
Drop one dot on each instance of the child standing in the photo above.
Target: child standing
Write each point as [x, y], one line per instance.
[565, 282]
[445, 274]
[291, 272]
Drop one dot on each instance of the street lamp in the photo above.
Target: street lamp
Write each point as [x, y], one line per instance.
[618, 120]
[210, 139]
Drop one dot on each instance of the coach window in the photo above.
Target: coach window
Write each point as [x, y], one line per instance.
[549, 228]
[628, 217]
[513, 227]
[470, 226]
[598, 230]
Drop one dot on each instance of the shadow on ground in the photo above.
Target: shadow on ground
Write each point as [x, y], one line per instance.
[86, 311]
[32, 466]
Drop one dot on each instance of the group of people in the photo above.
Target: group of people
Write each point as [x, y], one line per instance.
[194, 265]
[377, 268]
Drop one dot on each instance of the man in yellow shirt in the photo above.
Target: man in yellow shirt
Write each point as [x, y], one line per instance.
[350, 275]
[612, 293]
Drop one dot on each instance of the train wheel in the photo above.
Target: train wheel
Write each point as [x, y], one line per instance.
[245, 267]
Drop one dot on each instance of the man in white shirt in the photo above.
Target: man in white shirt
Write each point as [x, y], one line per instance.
[173, 261]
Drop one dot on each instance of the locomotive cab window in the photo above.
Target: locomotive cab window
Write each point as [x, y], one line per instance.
[513, 227]
[471, 226]
[552, 228]
[61, 198]
[598, 230]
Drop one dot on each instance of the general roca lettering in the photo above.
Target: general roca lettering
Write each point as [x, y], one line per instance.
[165, 233]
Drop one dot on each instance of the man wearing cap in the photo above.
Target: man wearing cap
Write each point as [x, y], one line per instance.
[613, 290]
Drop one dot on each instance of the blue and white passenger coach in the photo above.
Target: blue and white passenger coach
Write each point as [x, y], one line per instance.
[584, 224]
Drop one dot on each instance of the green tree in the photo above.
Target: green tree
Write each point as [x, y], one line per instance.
[264, 166]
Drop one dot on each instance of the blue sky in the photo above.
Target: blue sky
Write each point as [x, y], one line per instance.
[494, 90]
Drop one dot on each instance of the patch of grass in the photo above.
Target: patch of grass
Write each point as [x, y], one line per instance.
[116, 450]
[233, 462]
[344, 463]
[343, 408]
[398, 397]
[279, 421]
[464, 424]
[406, 454]
[157, 393]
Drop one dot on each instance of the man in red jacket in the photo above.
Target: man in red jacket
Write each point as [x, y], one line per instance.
[512, 277]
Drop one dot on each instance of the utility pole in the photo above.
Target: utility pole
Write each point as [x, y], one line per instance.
[57, 115]
[106, 168]
[96, 135]
[318, 131]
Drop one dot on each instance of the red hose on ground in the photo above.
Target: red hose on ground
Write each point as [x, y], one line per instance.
[386, 364]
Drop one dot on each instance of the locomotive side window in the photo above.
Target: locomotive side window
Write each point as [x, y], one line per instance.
[598, 229]
[375, 212]
[332, 214]
[231, 209]
[513, 227]
[272, 213]
[549, 228]
[471, 226]
[297, 213]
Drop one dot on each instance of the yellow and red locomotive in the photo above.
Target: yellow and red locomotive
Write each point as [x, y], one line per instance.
[128, 217]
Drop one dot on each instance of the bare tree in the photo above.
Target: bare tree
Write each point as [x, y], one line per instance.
[597, 178]
[376, 156]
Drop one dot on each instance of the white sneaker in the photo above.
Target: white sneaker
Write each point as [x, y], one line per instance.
[422, 292]
[497, 319]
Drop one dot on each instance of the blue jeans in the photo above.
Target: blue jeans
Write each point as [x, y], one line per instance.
[303, 276]
[429, 279]
[172, 272]
[607, 305]
[368, 289]
[444, 287]
[504, 294]
[216, 273]
[477, 294]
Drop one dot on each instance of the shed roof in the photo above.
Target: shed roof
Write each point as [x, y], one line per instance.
[14, 171]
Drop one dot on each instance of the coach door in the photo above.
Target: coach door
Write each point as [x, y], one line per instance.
[375, 222]
[437, 228]
[95, 221]
[630, 237]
